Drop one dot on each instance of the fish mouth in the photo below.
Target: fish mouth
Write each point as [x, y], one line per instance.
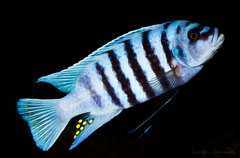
[216, 44]
[217, 39]
[220, 41]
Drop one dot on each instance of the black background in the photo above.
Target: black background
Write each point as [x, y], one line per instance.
[202, 120]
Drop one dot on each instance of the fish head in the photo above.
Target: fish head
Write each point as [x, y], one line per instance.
[195, 44]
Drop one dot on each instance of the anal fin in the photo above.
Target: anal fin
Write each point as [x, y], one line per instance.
[90, 123]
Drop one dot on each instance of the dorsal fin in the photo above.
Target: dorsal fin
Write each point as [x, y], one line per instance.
[130, 35]
[65, 79]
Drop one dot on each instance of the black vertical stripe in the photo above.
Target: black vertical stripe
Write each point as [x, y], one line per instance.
[166, 50]
[180, 51]
[205, 35]
[197, 30]
[125, 83]
[165, 26]
[108, 86]
[178, 29]
[137, 70]
[150, 55]
[154, 61]
[86, 82]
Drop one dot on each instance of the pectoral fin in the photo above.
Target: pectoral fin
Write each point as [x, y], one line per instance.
[165, 99]
[166, 82]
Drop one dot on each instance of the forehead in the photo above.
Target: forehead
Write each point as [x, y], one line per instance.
[185, 26]
[191, 25]
[197, 27]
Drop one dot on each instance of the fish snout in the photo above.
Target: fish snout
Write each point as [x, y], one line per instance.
[217, 39]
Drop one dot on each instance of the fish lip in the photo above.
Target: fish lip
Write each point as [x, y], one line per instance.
[220, 39]
[218, 44]
[217, 39]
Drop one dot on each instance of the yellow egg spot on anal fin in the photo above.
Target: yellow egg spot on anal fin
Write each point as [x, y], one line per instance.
[77, 126]
[80, 121]
[84, 123]
[77, 133]
[90, 121]
[75, 136]
[81, 128]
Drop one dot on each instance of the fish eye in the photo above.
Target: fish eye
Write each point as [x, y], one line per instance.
[193, 36]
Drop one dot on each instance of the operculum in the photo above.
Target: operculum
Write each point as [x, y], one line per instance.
[186, 72]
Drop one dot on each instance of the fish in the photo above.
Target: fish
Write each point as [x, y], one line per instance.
[131, 69]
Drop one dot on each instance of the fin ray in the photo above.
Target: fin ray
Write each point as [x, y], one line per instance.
[65, 79]
[110, 45]
[167, 78]
[87, 128]
[168, 99]
[43, 120]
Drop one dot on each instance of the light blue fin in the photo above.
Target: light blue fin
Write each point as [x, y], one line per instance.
[65, 79]
[166, 99]
[43, 120]
[168, 78]
[90, 123]
[130, 35]
[147, 129]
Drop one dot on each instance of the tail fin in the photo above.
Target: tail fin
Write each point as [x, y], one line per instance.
[90, 123]
[43, 120]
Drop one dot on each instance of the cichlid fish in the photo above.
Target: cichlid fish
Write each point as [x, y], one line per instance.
[129, 70]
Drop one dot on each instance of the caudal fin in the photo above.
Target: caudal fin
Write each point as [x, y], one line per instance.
[43, 120]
